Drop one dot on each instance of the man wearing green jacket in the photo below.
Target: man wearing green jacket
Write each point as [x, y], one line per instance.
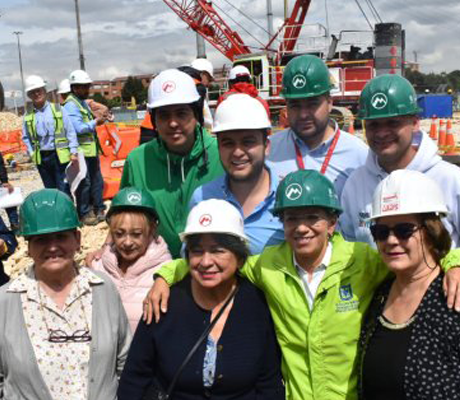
[180, 160]
[317, 286]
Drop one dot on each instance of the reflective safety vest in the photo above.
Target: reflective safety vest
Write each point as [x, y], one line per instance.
[60, 139]
[88, 142]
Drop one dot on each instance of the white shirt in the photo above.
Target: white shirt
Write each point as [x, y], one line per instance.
[310, 288]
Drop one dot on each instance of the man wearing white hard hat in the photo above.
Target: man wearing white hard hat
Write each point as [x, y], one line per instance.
[64, 89]
[242, 126]
[206, 71]
[89, 193]
[49, 136]
[181, 159]
[239, 81]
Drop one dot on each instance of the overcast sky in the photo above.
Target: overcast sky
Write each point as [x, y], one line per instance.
[123, 37]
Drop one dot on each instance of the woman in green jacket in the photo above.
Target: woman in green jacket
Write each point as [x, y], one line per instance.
[317, 285]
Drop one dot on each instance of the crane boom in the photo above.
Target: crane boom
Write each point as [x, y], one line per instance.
[201, 16]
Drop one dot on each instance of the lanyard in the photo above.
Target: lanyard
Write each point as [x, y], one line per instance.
[328, 157]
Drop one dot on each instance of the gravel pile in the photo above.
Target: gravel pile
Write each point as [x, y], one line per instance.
[9, 121]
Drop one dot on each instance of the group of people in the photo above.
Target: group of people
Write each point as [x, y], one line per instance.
[312, 266]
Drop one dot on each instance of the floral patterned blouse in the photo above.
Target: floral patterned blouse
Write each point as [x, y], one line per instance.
[63, 366]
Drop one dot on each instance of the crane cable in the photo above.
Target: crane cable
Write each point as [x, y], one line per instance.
[374, 11]
[242, 27]
[364, 14]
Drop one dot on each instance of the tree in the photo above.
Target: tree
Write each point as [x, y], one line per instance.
[100, 99]
[134, 88]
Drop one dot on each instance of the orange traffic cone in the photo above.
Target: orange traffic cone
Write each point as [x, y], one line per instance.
[433, 130]
[450, 139]
[442, 135]
[351, 128]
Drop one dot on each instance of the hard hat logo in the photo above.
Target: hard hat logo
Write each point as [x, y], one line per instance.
[134, 198]
[169, 87]
[205, 220]
[299, 81]
[379, 101]
[293, 191]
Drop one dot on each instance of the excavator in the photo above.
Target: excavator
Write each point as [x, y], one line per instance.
[350, 66]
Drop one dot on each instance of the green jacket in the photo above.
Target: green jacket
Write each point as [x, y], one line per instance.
[172, 179]
[60, 139]
[319, 347]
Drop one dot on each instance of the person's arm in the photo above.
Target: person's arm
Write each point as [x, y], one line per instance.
[139, 370]
[26, 139]
[77, 119]
[3, 172]
[269, 384]
[70, 132]
[124, 337]
[8, 241]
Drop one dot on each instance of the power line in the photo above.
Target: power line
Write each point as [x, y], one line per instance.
[364, 14]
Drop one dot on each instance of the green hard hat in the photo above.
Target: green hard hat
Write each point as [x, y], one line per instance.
[305, 76]
[387, 96]
[306, 188]
[131, 198]
[47, 211]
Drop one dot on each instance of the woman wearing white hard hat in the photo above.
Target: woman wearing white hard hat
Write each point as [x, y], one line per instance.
[180, 160]
[224, 319]
[409, 336]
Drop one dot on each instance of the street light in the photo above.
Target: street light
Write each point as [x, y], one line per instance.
[80, 41]
[17, 33]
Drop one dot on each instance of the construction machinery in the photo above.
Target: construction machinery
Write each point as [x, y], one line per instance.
[353, 57]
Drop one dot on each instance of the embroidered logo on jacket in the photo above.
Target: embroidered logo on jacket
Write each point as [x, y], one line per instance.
[346, 299]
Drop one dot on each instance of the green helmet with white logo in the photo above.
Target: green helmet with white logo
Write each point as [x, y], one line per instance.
[133, 199]
[306, 188]
[387, 96]
[305, 76]
[47, 211]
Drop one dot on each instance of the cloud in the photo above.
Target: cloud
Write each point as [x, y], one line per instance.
[122, 37]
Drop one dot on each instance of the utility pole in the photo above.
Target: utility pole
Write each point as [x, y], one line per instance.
[269, 19]
[80, 41]
[17, 33]
[200, 46]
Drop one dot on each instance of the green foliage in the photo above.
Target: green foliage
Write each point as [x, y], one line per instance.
[100, 99]
[134, 88]
[115, 102]
[432, 81]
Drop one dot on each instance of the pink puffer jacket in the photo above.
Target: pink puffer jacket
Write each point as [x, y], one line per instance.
[135, 284]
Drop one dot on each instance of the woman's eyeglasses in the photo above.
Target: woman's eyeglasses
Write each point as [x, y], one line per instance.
[402, 231]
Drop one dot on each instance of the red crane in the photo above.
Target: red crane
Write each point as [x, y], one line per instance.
[201, 16]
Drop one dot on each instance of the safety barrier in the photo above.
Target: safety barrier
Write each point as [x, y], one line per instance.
[11, 142]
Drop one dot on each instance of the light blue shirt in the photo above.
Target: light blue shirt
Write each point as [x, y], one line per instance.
[261, 226]
[349, 154]
[77, 118]
[46, 127]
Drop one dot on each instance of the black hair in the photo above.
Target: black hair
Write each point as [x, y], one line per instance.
[229, 242]
[242, 78]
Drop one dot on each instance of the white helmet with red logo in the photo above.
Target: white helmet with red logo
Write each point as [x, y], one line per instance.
[407, 191]
[238, 71]
[214, 216]
[172, 87]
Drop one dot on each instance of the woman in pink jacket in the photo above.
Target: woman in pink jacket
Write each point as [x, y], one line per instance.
[136, 251]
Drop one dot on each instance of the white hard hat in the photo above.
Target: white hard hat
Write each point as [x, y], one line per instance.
[407, 192]
[79, 77]
[204, 65]
[239, 70]
[240, 111]
[64, 87]
[214, 216]
[34, 82]
[172, 87]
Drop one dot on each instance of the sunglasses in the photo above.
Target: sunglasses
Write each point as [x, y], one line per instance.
[402, 231]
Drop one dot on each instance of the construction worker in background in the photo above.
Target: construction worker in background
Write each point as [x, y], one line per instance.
[89, 193]
[206, 71]
[64, 89]
[49, 136]
[313, 141]
[242, 126]
[239, 81]
[180, 160]
[388, 106]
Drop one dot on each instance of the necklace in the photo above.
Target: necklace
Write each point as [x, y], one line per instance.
[395, 327]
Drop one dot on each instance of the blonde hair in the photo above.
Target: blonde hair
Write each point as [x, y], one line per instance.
[149, 223]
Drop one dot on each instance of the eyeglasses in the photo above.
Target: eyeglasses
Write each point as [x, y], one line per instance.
[402, 231]
[59, 336]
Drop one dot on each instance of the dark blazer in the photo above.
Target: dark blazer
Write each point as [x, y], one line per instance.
[248, 360]
[432, 365]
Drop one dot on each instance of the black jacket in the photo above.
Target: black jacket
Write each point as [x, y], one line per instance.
[433, 357]
[248, 360]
